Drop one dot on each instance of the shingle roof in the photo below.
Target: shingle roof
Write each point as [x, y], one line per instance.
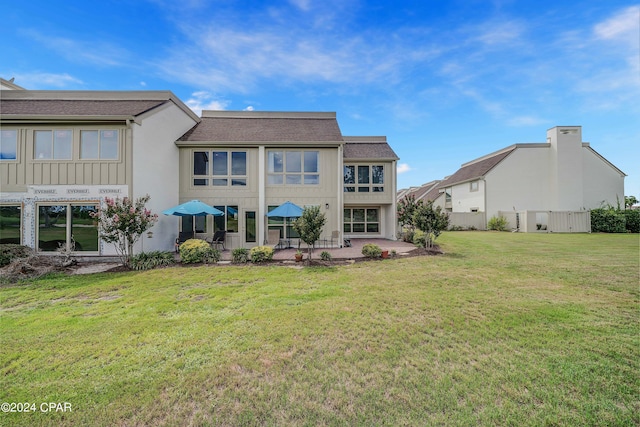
[257, 128]
[54, 107]
[363, 147]
[476, 169]
[428, 191]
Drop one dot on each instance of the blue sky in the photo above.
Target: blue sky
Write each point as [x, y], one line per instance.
[445, 81]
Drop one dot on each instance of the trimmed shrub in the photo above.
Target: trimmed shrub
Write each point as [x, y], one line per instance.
[371, 250]
[196, 250]
[150, 260]
[240, 255]
[260, 254]
[497, 223]
[11, 251]
[325, 256]
[607, 220]
[633, 220]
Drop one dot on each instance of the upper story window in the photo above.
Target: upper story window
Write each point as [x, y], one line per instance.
[99, 144]
[473, 186]
[53, 144]
[447, 195]
[9, 145]
[220, 168]
[366, 178]
[293, 167]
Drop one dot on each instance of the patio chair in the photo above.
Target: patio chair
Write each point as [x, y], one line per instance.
[273, 239]
[183, 236]
[218, 239]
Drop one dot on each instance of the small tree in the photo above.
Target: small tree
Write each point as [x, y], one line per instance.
[629, 201]
[406, 208]
[432, 221]
[122, 222]
[309, 225]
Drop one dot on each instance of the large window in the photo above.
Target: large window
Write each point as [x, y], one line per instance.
[67, 224]
[9, 145]
[200, 225]
[53, 144]
[361, 220]
[220, 168]
[10, 221]
[229, 221]
[102, 144]
[284, 225]
[363, 178]
[293, 167]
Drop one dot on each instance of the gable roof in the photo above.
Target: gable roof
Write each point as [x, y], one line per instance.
[477, 168]
[264, 127]
[428, 191]
[368, 148]
[84, 105]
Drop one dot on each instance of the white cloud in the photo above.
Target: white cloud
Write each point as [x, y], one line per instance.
[249, 108]
[35, 81]
[303, 5]
[624, 25]
[402, 168]
[203, 100]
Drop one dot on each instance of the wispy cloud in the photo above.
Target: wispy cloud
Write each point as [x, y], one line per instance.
[37, 80]
[205, 101]
[623, 26]
[403, 168]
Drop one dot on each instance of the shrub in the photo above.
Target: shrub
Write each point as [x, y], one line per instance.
[11, 251]
[150, 260]
[240, 255]
[607, 220]
[196, 250]
[407, 236]
[633, 220]
[498, 223]
[420, 238]
[260, 254]
[325, 256]
[371, 250]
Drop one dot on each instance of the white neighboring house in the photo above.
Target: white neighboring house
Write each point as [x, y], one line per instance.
[63, 152]
[562, 174]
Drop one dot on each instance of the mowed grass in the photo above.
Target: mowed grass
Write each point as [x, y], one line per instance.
[504, 329]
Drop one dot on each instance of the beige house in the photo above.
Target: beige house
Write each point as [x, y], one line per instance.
[536, 180]
[63, 152]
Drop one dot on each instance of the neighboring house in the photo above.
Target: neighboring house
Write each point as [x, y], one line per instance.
[563, 174]
[63, 152]
[247, 163]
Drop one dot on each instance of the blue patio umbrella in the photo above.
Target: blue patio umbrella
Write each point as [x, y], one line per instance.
[193, 208]
[286, 210]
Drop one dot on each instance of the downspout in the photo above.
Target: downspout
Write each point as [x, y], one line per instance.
[261, 195]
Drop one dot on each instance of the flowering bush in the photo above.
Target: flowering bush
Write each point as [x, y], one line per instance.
[122, 222]
[261, 254]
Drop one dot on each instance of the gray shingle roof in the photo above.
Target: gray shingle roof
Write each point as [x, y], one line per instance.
[361, 148]
[477, 168]
[55, 107]
[264, 129]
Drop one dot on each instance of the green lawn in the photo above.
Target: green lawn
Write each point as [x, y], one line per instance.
[504, 329]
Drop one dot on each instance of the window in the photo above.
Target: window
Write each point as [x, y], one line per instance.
[200, 226]
[447, 195]
[369, 178]
[53, 233]
[54, 145]
[9, 145]
[229, 221]
[473, 186]
[227, 168]
[102, 144]
[10, 222]
[361, 220]
[293, 168]
[250, 226]
[283, 224]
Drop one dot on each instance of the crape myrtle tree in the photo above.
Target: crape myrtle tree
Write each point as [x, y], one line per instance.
[122, 222]
[309, 226]
[432, 221]
[406, 208]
